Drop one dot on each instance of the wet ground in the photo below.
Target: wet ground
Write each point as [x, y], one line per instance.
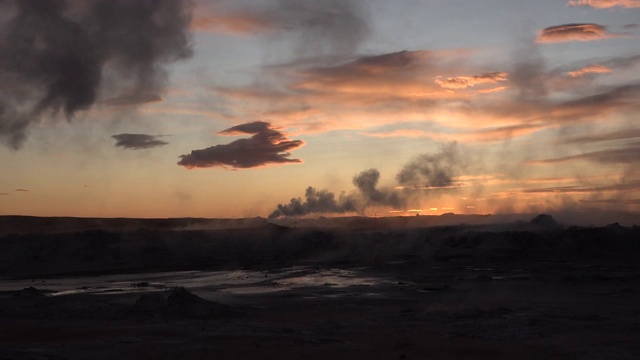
[397, 310]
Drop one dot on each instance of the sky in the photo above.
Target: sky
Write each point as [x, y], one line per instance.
[226, 109]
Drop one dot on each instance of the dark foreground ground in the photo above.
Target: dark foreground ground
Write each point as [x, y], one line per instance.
[526, 290]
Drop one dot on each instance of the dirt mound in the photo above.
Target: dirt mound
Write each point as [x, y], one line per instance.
[180, 303]
[29, 292]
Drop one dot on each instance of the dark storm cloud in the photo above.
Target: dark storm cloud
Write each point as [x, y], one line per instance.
[266, 146]
[138, 141]
[432, 170]
[316, 202]
[55, 55]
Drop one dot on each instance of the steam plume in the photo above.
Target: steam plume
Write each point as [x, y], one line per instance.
[316, 201]
[427, 171]
[367, 182]
[432, 170]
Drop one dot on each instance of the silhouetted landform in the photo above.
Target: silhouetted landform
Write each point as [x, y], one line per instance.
[349, 241]
[427, 287]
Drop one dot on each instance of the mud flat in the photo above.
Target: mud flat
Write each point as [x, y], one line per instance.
[521, 290]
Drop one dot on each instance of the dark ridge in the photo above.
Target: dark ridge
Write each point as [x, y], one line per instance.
[17, 224]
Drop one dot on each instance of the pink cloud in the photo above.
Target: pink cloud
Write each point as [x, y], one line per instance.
[575, 32]
[605, 4]
[463, 82]
[591, 69]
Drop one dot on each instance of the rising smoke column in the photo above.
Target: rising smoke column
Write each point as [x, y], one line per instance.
[54, 55]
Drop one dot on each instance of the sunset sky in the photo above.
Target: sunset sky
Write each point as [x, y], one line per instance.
[228, 108]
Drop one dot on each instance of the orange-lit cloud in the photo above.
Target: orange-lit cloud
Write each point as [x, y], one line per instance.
[234, 23]
[591, 69]
[463, 82]
[266, 146]
[574, 32]
[383, 95]
[361, 93]
[605, 4]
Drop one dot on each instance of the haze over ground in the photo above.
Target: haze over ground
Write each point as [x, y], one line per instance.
[232, 108]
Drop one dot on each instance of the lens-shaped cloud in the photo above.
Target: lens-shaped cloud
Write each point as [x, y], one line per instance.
[138, 141]
[575, 32]
[606, 4]
[267, 146]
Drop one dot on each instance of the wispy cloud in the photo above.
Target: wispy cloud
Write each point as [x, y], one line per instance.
[482, 135]
[575, 32]
[605, 136]
[267, 146]
[606, 4]
[358, 93]
[627, 155]
[379, 94]
[138, 141]
[463, 82]
[21, 190]
[132, 99]
[613, 201]
[591, 69]
[320, 27]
